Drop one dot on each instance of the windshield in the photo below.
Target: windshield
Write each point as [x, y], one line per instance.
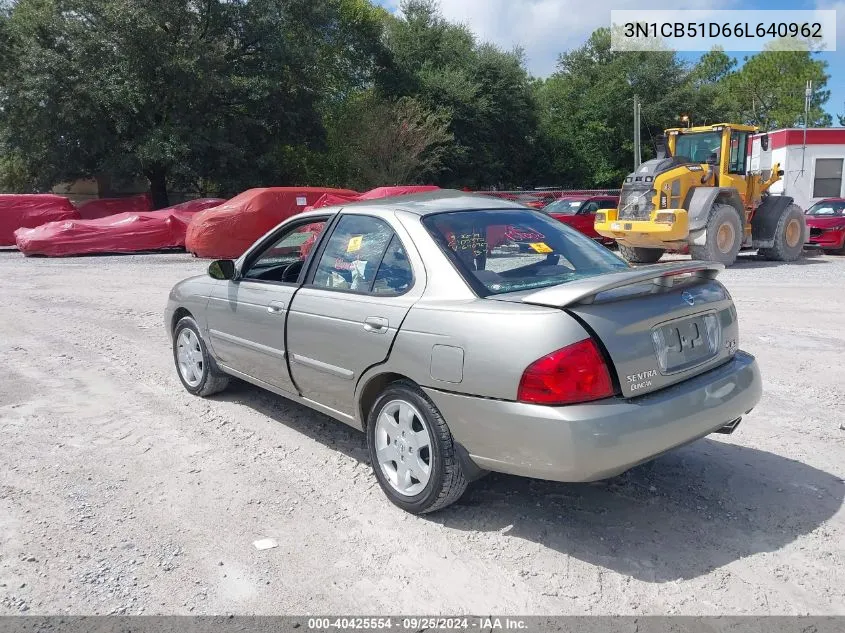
[830, 209]
[699, 147]
[506, 250]
[563, 207]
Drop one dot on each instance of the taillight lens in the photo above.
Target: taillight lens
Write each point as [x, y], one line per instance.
[576, 373]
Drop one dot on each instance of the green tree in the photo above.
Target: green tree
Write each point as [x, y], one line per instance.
[485, 92]
[380, 142]
[180, 91]
[768, 91]
[586, 109]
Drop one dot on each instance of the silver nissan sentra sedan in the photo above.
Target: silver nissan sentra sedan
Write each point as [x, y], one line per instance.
[426, 322]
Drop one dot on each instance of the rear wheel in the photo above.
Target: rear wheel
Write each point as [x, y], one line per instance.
[790, 235]
[412, 451]
[722, 236]
[637, 255]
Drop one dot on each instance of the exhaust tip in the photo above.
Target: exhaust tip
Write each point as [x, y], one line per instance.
[730, 427]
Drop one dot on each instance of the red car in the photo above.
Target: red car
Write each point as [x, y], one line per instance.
[826, 221]
[579, 212]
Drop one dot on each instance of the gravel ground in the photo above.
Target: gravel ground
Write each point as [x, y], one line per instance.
[121, 493]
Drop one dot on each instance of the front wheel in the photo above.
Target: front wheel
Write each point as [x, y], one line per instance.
[722, 236]
[637, 255]
[412, 451]
[790, 235]
[195, 366]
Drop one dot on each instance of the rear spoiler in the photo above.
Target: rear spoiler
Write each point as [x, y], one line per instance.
[585, 290]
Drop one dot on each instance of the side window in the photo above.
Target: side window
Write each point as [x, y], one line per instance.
[353, 255]
[590, 207]
[827, 181]
[283, 259]
[608, 204]
[394, 276]
[739, 152]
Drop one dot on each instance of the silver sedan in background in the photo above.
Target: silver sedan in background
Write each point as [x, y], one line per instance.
[457, 352]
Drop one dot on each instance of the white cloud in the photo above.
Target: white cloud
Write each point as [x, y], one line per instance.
[543, 28]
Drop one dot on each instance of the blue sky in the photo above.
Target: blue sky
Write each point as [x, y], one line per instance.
[545, 28]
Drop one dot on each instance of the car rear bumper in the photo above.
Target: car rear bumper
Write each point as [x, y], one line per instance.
[601, 439]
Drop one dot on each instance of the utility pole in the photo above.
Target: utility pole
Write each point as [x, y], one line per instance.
[638, 157]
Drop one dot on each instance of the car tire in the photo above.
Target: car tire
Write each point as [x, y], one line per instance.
[637, 255]
[194, 365]
[790, 235]
[446, 480]
[723, 236]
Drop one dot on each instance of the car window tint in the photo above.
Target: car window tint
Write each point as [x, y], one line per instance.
[507, 250]
[590, 207]
[394, 274]
[282, 260]
[608, 204]
[353, 253]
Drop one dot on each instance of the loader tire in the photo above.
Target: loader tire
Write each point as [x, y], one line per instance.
[790, 235]
[723, 236]
[637, 255]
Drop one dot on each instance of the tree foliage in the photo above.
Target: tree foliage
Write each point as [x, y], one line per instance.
[768, 91]
[215, 96]
[381, 142]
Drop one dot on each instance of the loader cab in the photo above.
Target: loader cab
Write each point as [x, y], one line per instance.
[722, 148]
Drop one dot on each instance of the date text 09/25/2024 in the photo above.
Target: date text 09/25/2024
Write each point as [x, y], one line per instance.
[418, 623]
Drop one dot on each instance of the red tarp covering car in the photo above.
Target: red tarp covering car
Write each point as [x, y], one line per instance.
[379, 192]
[104, 207]
[228, 230]
[128, 232]
[31, 210]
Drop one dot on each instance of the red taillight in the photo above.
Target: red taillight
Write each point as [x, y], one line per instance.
[576, 373]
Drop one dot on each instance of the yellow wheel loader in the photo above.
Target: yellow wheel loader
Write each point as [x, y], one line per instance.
[700, 194]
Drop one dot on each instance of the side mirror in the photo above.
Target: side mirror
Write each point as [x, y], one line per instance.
[764, 142]
[222, 269]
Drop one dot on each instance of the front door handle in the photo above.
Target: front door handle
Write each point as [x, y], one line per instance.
[376, 325]
[276, 307]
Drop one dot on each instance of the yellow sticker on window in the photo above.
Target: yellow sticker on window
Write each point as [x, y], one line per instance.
[541, 247]
[354, 244]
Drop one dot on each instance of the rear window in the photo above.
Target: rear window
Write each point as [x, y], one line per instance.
[508, 250]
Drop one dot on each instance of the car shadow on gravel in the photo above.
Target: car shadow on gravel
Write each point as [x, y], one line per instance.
[681, 516]
[755, 261]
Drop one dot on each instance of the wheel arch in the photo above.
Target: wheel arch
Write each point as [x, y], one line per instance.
[369, 389]
[179, 314]
[765, 221]
[703, 199]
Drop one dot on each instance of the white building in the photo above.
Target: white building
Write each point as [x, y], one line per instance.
[811, 172]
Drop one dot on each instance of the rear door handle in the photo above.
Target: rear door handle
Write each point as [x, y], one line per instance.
[376, 325]
[276, 307]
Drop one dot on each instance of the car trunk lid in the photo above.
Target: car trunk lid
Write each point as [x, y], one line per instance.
[659, 325]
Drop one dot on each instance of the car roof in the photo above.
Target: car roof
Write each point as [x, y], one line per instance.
[430, 202]
[830, 200]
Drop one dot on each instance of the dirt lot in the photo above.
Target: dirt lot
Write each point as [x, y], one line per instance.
[122, 493]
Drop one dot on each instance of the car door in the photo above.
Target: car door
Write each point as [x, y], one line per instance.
[246, 316]
[585, 218]
[345, 317]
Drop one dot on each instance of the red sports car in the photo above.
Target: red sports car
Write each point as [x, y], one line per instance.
[826, 221]
[579, 212]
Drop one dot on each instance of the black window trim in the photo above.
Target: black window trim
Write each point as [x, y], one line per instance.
[273, 237]
[308, 282]
[743, 134]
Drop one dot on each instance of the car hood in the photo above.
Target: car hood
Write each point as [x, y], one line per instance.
[560, 217]
[819, 222]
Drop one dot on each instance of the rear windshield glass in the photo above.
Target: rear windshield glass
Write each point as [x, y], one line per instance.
[507, 250]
